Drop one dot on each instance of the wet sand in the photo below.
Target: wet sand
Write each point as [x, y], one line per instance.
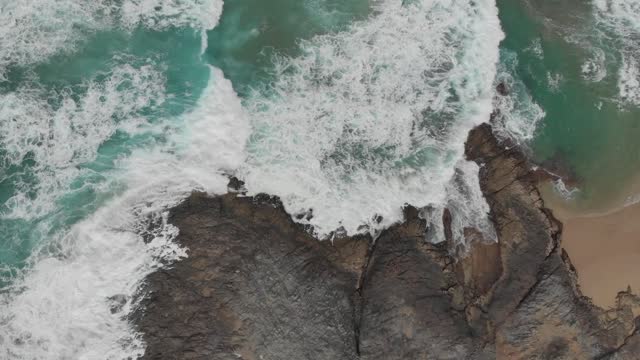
[604, 248]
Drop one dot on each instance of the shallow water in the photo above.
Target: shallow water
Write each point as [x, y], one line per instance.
[574, 59]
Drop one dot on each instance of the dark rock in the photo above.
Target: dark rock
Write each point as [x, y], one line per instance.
[502, 89]
[255, 286]
[407, 309]
[535, 310]
[258, 286]
[306, 215]
[480, 269]
[447, 219]
[526, 234]
[236, 185]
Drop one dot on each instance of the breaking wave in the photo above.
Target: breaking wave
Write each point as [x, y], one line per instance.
[374, 117]
[364, 121]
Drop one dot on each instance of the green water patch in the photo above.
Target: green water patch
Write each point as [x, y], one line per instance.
[586, 129]
[252, 32]
[173, 54]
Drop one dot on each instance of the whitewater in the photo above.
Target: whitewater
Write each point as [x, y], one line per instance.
[620, 24]
[360, 122]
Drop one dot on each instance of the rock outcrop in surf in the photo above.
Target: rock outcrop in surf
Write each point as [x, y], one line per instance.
[256, 285]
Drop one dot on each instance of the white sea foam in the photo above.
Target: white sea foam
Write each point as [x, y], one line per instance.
[517, 116]
[620, 20]
[162, 14]
[563, 190]
[72, 298]
[67, 305]
[466, 201]
[62, 308]
[536, 48]
[554, 81]
[376, 116]
[364, 121]
[621, 15]
[209, 146]
[629, 80]
[62, 137]
[595, 69]
[32, 31]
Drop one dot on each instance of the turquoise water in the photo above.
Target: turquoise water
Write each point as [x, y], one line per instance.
[243, 44]
[349, 108]
[251, 33]
[99, 127]
[588, 130]
[68, 78]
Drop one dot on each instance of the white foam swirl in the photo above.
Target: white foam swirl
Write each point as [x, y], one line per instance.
[620, 19]
[162, 14]
[74, 299]
[629, 80]
[376, 116]
[32, 31]
[62, 137]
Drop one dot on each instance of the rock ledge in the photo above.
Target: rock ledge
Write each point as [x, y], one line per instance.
[256, 285]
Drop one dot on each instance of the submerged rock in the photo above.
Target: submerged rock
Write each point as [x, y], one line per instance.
[256, 285]
[502, 89]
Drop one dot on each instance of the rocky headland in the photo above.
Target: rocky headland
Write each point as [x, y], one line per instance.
[258, 286]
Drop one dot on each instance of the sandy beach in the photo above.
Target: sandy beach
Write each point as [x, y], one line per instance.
[604, 248]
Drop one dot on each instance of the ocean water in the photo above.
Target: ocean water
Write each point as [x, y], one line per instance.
[111, 112]
[574, 66]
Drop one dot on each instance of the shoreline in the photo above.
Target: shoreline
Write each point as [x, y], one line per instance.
[604, 245]
[565, 208]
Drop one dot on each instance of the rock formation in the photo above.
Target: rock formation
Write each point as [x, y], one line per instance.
[256, 285]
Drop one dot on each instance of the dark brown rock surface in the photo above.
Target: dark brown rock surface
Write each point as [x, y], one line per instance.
[254, 286]
[535, 310]
[258, 286]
